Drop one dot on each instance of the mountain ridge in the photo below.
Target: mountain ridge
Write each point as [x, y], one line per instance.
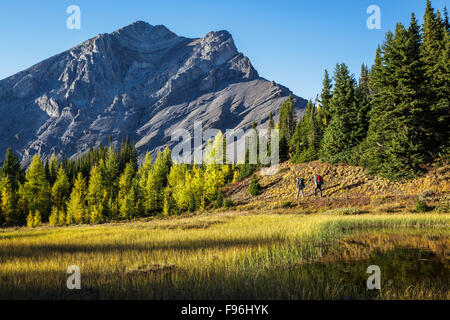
[141, 81]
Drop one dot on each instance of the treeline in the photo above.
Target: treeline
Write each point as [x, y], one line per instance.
[105, 184]
[394, 119]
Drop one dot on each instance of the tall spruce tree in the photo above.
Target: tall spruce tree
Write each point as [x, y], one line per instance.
[270, 126]
[111, 176]
[435, 58]
[325, 99]
[11, 168]
[364, 103]
[286, 124]
[443, 105]
[8, 201]
[53, 166]
[398, 128]
[305, 142]
[340, 138]
[287, 120]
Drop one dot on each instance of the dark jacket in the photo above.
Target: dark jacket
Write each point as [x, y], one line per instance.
[300, 183]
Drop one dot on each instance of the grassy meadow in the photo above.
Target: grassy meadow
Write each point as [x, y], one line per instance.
[270, 246]
[233, 255]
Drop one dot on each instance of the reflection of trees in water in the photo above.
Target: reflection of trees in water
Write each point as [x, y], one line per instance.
[400, 268]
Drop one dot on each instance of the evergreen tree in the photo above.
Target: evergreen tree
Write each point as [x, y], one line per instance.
[398, 127]
[8, 201]
[62, 218]
[157, 180]
[254, 188]
[304, 143]
[446, 22]
[54, 217]
[30, 220]
[37, 219]
[442, 134]
[143, 173]
[47, 169]
[111, 175]
[286, 125]
[34, 219]
[339, 137]
[151, 194]
[36, 190]
[319, 126]
[128, 192]
[127, 154]
[53, 168]
[325, 99]
[179, 181]
[435, 59]
[11, 168]
[270, 127]
[61, 190]
[168, 204]
[177, 184]
[216, 152]
[76, 207]
[364, 104]
[197, 183]
[96, 196]
[214, 178]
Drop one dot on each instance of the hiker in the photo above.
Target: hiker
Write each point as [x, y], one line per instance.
[318, 182]
[300, 186]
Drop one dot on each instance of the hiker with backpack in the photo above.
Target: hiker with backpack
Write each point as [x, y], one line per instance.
[300, 186]
[318, 182]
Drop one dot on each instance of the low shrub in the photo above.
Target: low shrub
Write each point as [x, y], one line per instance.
[255, 188]
[219, 200]
[245, 170]
[306, 155]
[421, 206]
[286, 204]
[227, 203]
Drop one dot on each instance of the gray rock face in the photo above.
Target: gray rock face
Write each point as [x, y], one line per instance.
[140, 81]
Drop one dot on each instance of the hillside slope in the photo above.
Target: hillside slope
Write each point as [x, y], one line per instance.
[345, 186]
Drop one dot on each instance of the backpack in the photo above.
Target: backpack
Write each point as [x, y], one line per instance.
[300, 182]
[319, 179]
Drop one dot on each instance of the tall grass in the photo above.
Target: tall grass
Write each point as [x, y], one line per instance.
[222, 256]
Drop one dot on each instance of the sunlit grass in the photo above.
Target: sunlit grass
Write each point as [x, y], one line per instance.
[218, 256]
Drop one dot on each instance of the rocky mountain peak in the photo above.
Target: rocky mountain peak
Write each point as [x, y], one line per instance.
[141, 31]
[141, 81]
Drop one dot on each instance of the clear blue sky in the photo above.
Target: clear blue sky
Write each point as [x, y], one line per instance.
[288, 41]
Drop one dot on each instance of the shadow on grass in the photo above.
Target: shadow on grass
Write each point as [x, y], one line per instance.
[30, 234]
[32, 250]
